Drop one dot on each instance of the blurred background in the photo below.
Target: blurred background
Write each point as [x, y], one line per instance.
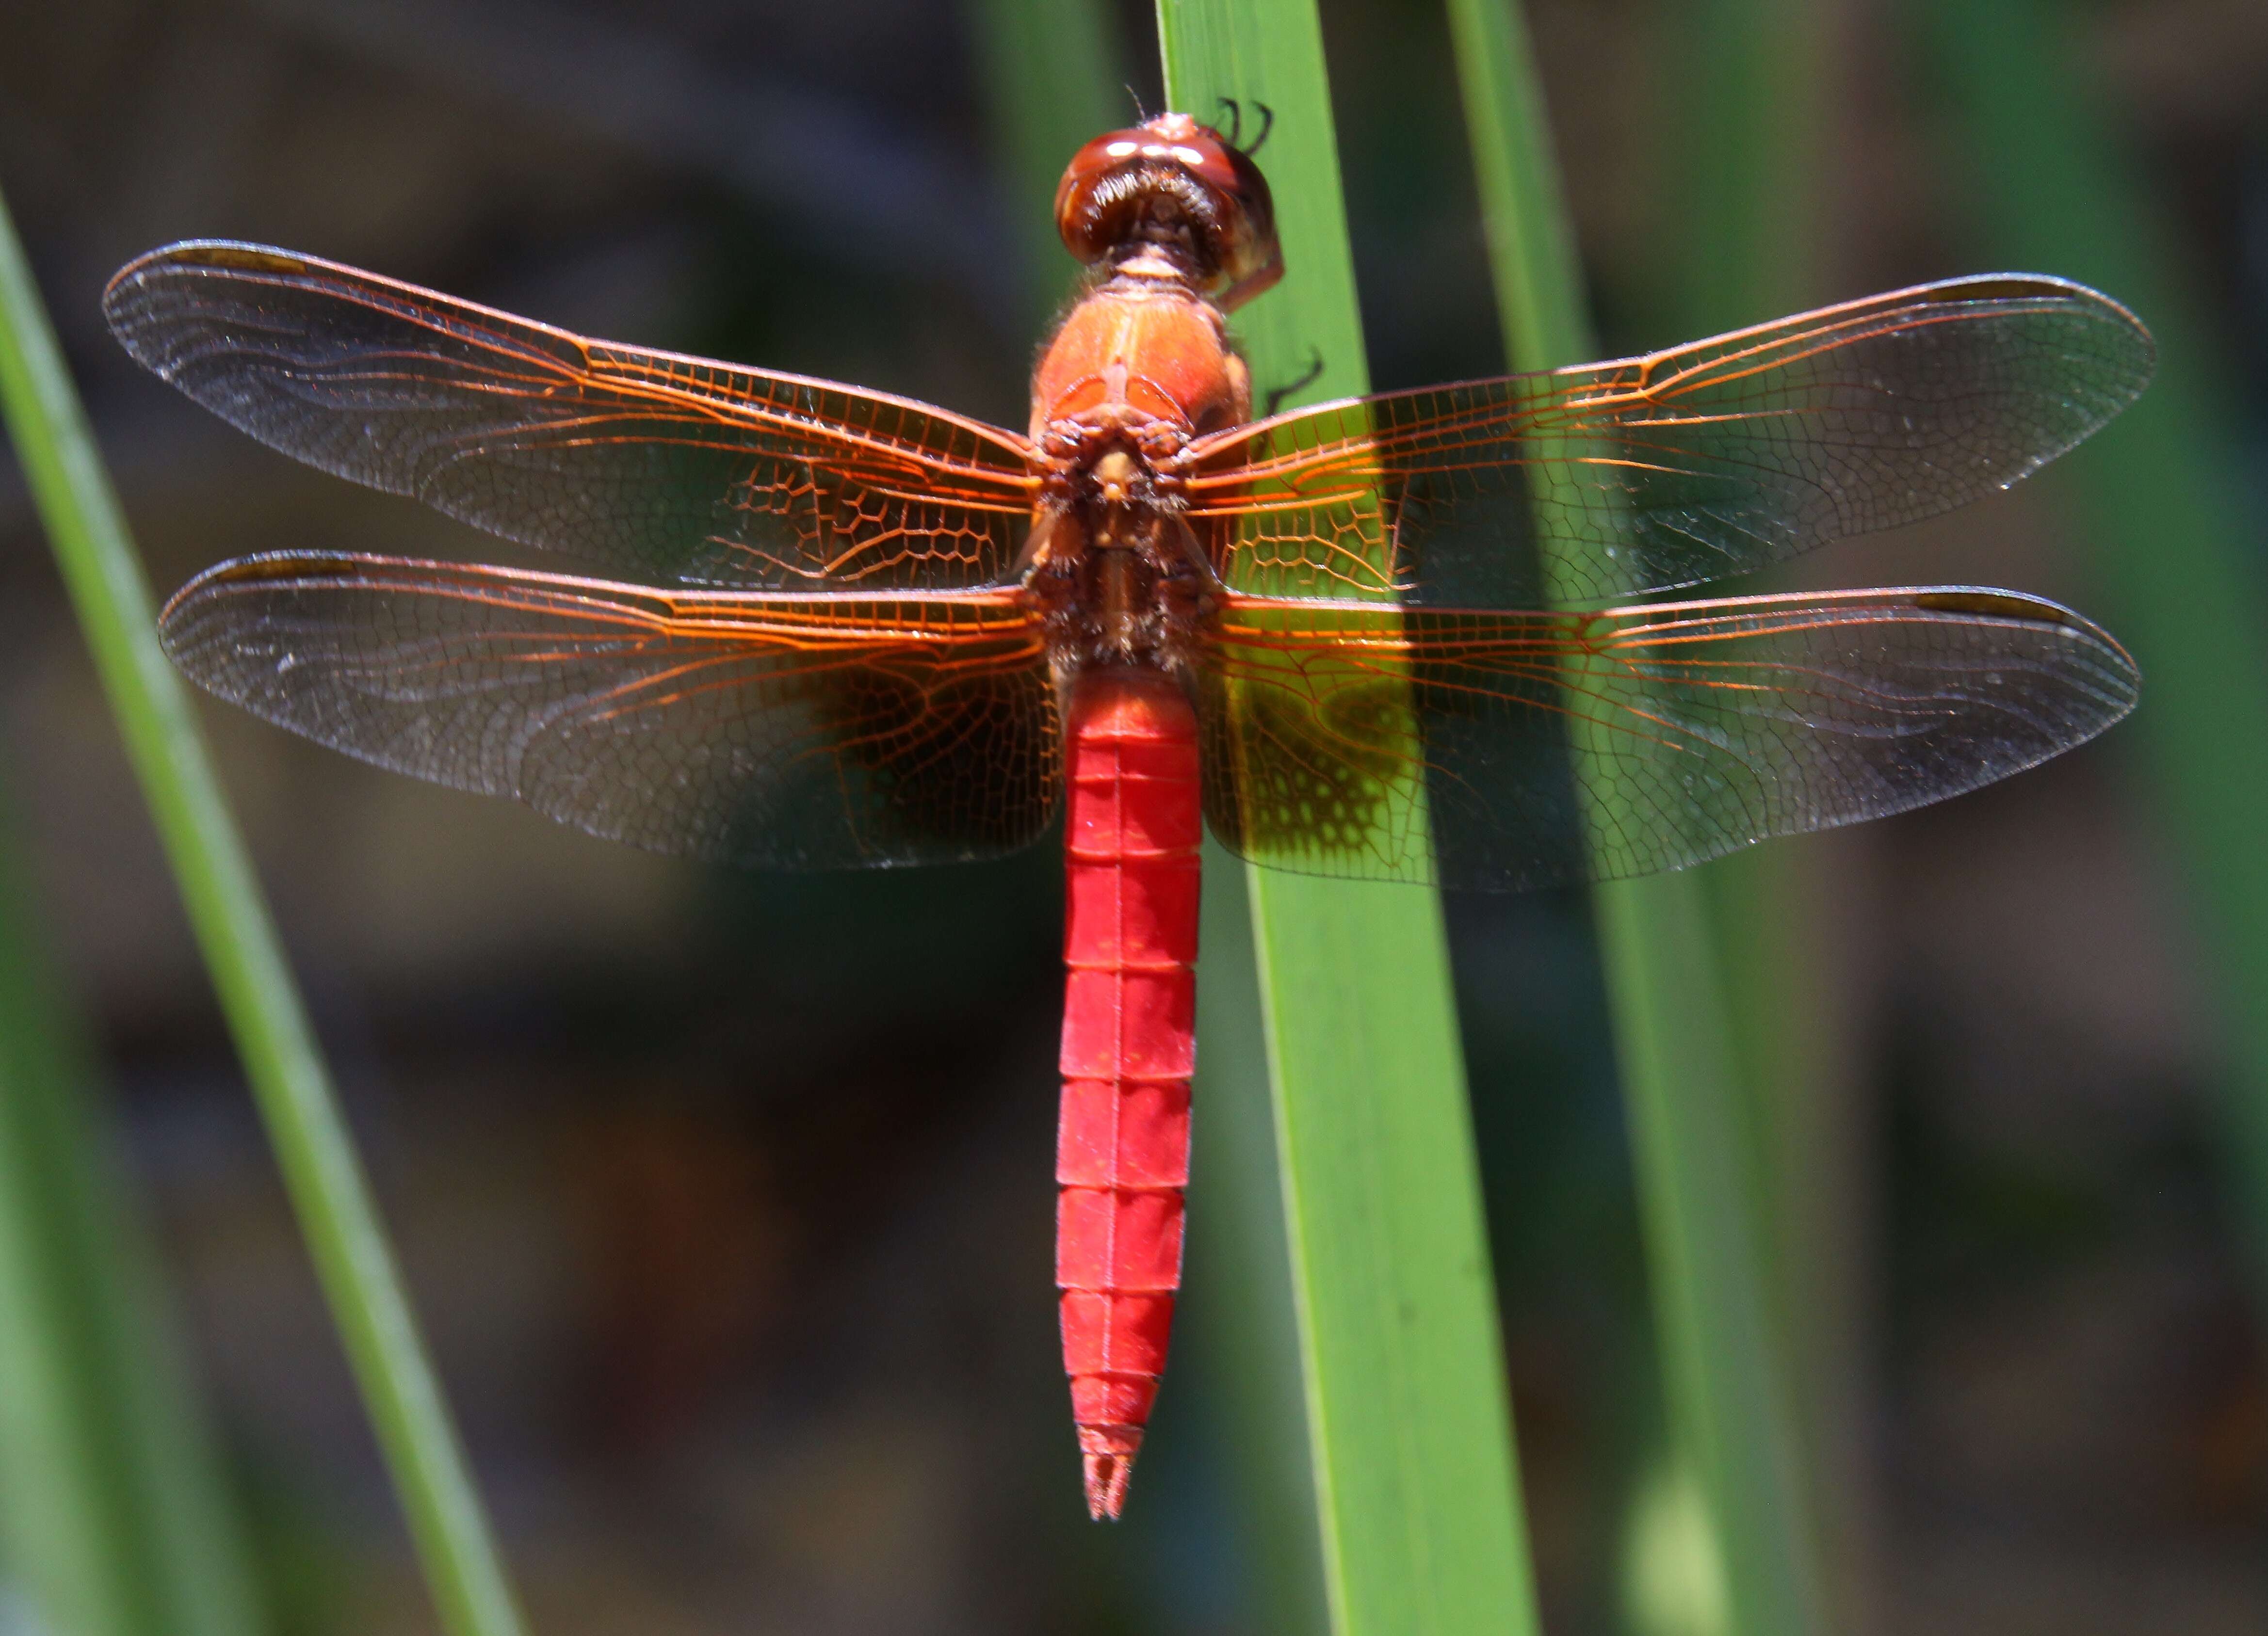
[725, 1199]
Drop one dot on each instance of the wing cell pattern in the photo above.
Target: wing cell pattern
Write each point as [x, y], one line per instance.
[1706, 460]
[826, 663]
[656, 467]
[813, 733]
[1691, 730]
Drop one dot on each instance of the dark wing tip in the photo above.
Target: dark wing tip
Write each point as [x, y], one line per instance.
[2128, 341]
[2002, 605]
[135, 303]
[193, 254]
[2119, 665]
[228, 253]
[268, 565]
[2027, 286]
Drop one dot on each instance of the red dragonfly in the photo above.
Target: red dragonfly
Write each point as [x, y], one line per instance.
[847, 629]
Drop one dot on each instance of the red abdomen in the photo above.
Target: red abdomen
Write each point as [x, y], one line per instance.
[1129, 1046]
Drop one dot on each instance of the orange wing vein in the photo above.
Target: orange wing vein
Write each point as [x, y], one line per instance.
[1552, 748]
[1709, 460]
[810, 732]
[665, 469]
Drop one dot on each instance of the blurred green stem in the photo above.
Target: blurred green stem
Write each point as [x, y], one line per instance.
[1753, 146]
[1673, 1035]
[1050, 80]
[230, 919]
[114, 1516]
[2174, 547]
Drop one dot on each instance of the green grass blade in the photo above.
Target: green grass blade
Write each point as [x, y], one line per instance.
[1409, 1423]
[2172, 544]
[1246, 1333]
[1751, 168]
[1728, 1409]
[114, 1519]
[1674, 1036]
[230, 919]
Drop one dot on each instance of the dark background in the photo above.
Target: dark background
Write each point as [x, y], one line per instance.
[727, 1198]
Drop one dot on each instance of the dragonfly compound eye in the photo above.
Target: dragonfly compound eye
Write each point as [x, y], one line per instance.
[1174, 186]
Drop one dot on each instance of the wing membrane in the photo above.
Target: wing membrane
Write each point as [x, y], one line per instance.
[656, 467]
[802, 733]
[1648, 473]
[1552, 748]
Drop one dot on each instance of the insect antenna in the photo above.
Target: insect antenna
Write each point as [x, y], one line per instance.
[1236, 119]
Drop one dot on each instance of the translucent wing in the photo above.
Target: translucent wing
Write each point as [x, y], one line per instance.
[1550, 748]
[669, 470]
[799, 733]
[1710, 459]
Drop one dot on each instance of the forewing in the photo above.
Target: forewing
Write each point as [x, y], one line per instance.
[669, 470]
[1710, 459]
[799, 733]
[1553, 748]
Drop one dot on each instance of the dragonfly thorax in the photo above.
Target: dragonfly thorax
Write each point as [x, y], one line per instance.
[1119, 480]
[1112, 569]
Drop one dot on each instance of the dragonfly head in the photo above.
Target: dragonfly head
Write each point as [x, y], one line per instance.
[1175, 186]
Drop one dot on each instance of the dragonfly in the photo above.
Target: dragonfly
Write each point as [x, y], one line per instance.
[1417, 636]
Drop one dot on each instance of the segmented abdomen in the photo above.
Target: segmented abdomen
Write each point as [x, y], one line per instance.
[1129, 1046]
